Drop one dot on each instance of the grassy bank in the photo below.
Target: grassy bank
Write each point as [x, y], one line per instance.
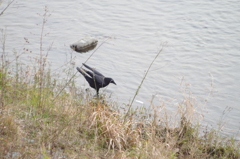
[45, 116]
[40, 119]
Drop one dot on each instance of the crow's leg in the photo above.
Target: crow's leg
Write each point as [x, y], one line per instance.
[97, 93]
[97, 90]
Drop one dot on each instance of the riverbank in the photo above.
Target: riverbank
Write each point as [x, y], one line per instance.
[44, 116]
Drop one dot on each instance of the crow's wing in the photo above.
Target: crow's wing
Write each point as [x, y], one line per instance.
[99, 80]
[93, 70]
[93, 77]
[89, 80]
[89, 73]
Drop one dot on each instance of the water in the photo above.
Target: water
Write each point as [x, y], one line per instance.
[202, 51]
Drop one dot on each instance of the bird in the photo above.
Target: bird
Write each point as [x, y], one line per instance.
[95, 79]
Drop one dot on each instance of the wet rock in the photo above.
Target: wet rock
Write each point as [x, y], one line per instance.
[84, 45]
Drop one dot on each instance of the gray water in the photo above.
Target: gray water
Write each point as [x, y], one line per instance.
[201, 53]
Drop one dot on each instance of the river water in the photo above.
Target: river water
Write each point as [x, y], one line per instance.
[200, 39]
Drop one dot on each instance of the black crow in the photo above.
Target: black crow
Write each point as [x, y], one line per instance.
[95, 79]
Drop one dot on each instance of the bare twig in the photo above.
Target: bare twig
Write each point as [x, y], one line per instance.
[139, 87]
[6, 7]
[42, 61]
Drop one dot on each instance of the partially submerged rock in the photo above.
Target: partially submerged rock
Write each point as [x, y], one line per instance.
[84, 45]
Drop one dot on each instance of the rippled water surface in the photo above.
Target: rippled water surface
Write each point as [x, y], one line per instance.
[202, 51]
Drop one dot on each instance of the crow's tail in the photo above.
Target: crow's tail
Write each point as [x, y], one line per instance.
[81, 71]
[90, 68]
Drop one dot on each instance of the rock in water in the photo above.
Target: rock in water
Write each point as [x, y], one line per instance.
[84, 45]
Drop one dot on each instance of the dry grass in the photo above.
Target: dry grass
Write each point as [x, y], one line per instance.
[76, 126]
[43, 116]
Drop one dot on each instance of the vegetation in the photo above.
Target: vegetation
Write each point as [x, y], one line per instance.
[44, 116]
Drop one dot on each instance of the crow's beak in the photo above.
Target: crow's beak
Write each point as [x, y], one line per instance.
[113, 82]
